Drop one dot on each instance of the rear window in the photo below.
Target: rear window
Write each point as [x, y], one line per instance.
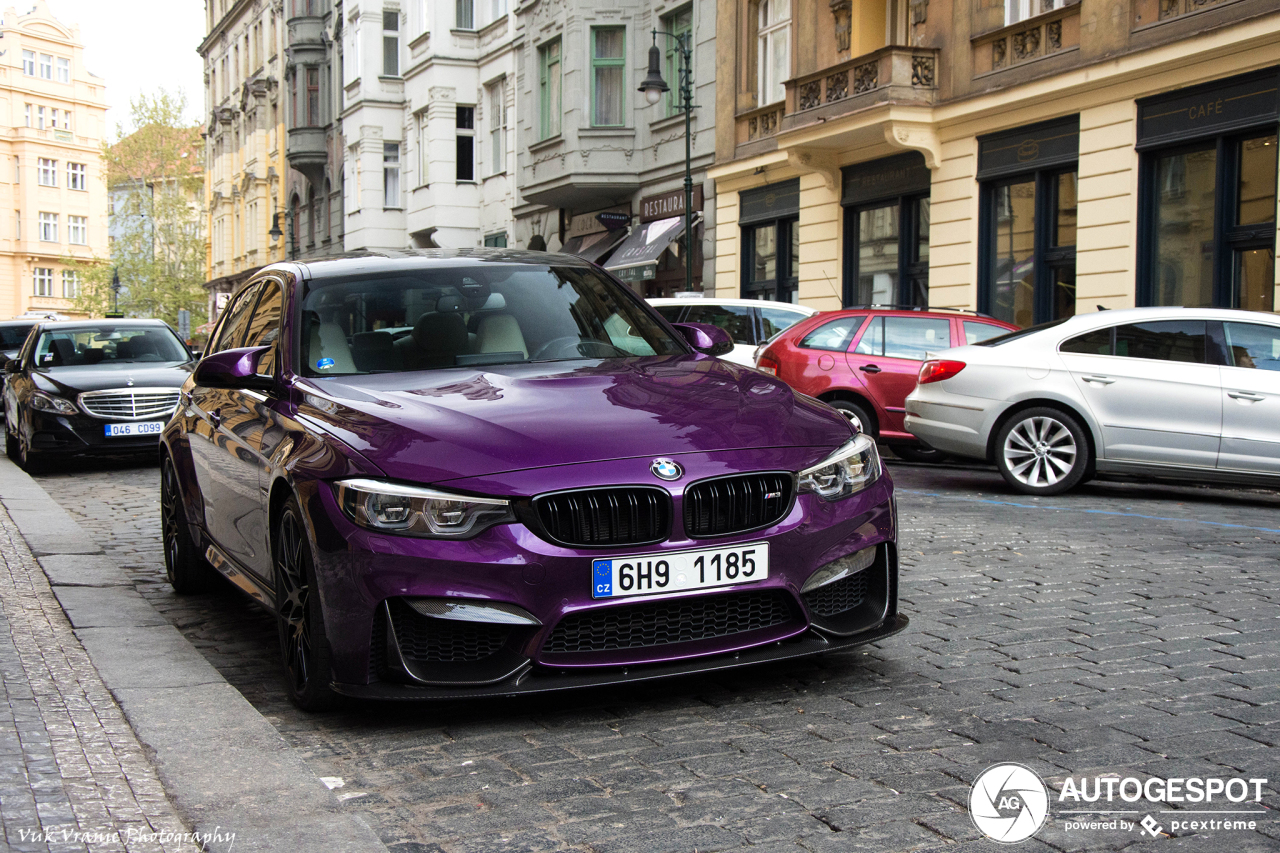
[12, 337]
[671, 313]
[738, 321]
[775, 320]
[834, 335]
[1000, 340]
[976, 333]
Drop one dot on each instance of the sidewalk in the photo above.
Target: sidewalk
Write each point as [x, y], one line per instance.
[115, 733]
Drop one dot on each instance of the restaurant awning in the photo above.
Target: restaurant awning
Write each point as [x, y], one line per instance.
[593, 247]
[637, 258]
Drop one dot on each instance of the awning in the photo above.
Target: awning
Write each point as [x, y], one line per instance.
[593, 247]
[637, 258]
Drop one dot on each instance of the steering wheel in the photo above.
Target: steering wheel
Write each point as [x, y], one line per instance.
[571, 346]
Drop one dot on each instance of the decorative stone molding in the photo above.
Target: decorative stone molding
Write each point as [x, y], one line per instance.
[866, 77]
[810, 95]
[999, 53]
[922, 71]
[916, 137]
[821, 162]
[1053, 36]
[837, 86]
[842, 11]
[1026, 44]
[919, 11]
[1044, 35]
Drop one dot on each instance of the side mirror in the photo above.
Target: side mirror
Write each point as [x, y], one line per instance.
[234, 368]
[706, 338]
[12, 365]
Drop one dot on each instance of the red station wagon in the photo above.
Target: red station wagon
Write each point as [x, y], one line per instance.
[864, 362]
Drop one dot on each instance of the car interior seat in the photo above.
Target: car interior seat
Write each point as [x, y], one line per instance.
[375, 351]
[328, 341]
[437, 339]
[500, 333]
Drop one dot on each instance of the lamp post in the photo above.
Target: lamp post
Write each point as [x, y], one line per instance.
[115, 290]
[654, 87]
[275, 233]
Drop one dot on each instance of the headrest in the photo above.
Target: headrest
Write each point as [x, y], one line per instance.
[441, 333]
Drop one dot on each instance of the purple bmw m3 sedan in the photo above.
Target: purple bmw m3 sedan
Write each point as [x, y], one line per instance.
[489, 472]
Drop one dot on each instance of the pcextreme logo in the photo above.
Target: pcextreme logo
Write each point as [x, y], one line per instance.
[1008, 803]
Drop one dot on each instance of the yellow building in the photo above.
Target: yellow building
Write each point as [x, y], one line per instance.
[53, 195]
[1027, 158]
[245, 166]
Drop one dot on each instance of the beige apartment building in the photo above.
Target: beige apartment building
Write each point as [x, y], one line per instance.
[1026, 158]
[53, 195]
[245, 168]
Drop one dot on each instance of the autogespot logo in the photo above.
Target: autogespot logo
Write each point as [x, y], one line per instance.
[1008, 803]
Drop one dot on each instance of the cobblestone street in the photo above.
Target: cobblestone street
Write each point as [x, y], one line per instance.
[1125, 628]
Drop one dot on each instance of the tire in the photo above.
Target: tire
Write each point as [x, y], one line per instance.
[918, 453]
[1042, 451]
[304, 645]
[31, 461]
[186, 568]
[857, 415]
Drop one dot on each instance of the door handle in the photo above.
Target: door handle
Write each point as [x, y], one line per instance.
[1101, 380]
[1246, 395]
[869, 368]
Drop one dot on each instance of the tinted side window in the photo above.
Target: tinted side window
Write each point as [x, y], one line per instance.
[670, 313]
[774, 320]
[738, 322]
[1165, 340]
[232, 330]
[1097, 342]
[976, 333]
[1254, 345]
[264, 325]
[834, 336]
[912, 337]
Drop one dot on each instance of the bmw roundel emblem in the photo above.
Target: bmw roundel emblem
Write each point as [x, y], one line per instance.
[666, 469]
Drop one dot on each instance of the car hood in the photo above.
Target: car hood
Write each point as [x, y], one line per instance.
[70, 381]
[431, 426]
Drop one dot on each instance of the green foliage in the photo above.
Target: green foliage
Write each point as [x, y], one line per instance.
[154, 176]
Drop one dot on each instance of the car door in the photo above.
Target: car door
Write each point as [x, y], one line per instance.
[888, 357]
[1152, 391]
[1251, 399]
[223, 462]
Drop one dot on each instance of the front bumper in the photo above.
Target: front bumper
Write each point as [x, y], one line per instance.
[384, 645]
[82, 435]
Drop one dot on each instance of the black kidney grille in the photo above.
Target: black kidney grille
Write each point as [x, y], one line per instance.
[838, 597]
[622, 516]
[663, 623]
[422, 638]
[733, 504]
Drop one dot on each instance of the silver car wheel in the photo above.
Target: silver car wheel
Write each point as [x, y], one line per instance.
[1040, 451]
[853, 418]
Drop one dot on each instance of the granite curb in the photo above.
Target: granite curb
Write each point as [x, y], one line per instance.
[224, 766]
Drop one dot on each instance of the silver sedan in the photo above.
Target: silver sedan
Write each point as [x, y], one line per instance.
[1177, 392]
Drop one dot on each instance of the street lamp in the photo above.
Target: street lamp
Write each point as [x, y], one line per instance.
[654, 87]
[115, 290]
[275, 233]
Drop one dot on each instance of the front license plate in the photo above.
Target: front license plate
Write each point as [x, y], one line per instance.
[134, 429]
[678, 571]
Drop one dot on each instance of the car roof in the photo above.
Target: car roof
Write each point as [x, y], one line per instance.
[54, 325]
[665, 301]
[369, 262]
[30, 321]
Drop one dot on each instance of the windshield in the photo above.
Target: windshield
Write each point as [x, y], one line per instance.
[108, 344]
[471, 315]
[1021, 333]
[12, 337]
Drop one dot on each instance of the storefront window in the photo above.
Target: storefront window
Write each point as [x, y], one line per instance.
[1184, 228]
[773, 247]
[887, 232]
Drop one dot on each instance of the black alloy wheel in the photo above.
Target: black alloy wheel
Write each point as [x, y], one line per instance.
[304, 646]
[187, 570]
[31, 461]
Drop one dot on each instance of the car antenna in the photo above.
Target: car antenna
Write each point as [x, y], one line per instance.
[1103, 308]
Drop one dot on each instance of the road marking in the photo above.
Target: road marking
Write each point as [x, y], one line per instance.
[1089, 511]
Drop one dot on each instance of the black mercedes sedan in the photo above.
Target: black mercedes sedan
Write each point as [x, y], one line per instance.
[92, 387]
[13, 333]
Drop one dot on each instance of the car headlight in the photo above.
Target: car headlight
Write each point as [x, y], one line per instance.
[419, 511]
[49, 403]
[849, 470]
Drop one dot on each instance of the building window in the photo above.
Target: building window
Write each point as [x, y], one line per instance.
[493, 10]
[466, 18]
[424, 148]
[608, 83]
[64, 70]
[1031, 243]
[466, 129]
[391, 174]
[891, 253]
[497, 241]
[78, 230]
[773, 50]
[66, 119]
[549, 89]
[70, 284]
[1021, 10]
[498, 127]
[46, 66]
[47, 172]
[313, 96]
[77, 176]
[773, 256]
[43, 277]
[680, 24]
[29, 63]
[17, 225]
[39, 118]
[28, 114]
[390, 43]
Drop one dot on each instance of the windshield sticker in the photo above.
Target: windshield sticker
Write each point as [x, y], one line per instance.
[325, 363]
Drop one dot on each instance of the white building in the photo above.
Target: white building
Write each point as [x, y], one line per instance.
[428, 101]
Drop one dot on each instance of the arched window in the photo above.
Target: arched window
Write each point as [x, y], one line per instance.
[312, 216]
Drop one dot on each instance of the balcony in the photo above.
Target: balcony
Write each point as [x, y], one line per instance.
[307, 152]
[306, 39]
[897, 75]
[1048, 34]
